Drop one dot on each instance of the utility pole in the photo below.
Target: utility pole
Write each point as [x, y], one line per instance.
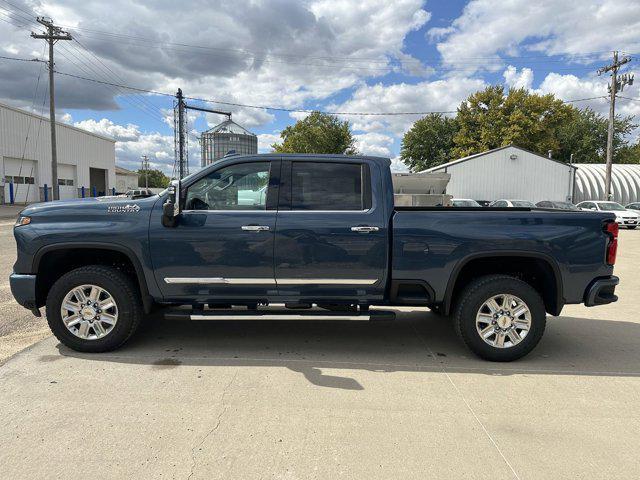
[617, 84]
[181, 135]
[51, 36]
[181, 165]
[145, 167]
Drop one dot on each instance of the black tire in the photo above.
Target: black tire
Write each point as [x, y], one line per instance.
[471, 300]
[120, 287]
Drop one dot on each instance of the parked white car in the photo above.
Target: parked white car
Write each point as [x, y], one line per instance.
[513, 203]
[464, 202]
[624, 217]
[635, 207]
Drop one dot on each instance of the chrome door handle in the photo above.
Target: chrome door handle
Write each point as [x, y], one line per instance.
[255, 228]
[364, 229]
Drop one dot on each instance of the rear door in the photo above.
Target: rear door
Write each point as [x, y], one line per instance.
[331, 235]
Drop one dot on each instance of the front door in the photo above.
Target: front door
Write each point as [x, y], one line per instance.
[332, 238]
[222, 246]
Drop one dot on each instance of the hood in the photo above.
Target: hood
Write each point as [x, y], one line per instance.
[625, 214]
[89, 206]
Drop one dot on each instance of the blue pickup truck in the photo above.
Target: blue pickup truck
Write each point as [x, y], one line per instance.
[306, 236]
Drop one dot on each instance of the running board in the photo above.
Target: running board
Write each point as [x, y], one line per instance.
[372, 315]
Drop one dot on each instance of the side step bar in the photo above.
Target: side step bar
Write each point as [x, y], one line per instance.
[372, 315]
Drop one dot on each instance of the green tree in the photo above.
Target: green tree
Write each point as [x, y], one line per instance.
[629, 154]
[584, 135]
[157, 179]
[317, 133]
[489, 119]
[429, 142]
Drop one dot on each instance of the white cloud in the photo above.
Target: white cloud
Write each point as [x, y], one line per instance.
[121, 133]
[374, 143]
[272, 52]
[486, 30]
[513, 79]
[438, 95]
[398, 166]
[265, 140]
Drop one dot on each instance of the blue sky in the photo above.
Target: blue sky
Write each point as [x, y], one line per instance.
[333, 55]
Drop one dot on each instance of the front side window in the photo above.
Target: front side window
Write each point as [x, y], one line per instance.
[242, 186]
[328, 186]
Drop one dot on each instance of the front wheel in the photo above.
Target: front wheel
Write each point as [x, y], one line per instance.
[93, 308]
[500, 318]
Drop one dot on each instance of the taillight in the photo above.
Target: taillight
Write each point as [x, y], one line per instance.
[612, 247]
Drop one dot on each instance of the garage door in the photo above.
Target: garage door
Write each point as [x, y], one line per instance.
[23, 175]
[67, 181]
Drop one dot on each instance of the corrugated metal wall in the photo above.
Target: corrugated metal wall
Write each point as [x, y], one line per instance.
[495, 175]
[625, 182]
[75, 148]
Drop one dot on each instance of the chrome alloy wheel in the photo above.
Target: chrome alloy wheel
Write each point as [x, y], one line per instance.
[503, 321]
[89, 312]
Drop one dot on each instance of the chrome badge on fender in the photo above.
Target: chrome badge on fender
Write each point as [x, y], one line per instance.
[123, 208]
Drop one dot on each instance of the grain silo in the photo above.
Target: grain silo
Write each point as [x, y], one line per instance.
[223, 138]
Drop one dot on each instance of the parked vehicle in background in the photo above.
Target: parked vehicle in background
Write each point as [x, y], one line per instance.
[513, 203]
[557, 205]
[139, 193]
[634, 207]
[484, 203]
[464, 202]
[624, 217]
[325, 239]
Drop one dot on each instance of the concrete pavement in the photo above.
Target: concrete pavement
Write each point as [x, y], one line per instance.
[289, 400]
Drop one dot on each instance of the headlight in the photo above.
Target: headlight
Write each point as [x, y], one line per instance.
[22, 220]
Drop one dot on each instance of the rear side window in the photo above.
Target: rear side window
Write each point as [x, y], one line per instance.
[329, 186]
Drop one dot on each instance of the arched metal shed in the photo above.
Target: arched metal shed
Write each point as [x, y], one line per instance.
[590, 177]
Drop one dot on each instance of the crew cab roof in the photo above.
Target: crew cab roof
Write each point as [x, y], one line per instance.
[308, 157]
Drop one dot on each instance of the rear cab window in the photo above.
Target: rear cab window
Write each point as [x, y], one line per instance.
[330, 186]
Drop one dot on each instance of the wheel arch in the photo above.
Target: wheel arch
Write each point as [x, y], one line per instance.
[493, 262]
[68, 247]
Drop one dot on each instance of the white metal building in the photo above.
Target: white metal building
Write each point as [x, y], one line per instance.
[85, 159]
[125, 180]
[509, 172]
[625, 182]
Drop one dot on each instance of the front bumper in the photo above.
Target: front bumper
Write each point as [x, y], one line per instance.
[626, 222]
[601, 291]
[23, 288]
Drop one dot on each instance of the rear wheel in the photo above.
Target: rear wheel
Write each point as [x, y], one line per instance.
[94, 309]
[500, 318]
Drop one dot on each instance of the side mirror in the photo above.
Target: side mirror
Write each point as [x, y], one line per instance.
[171, 208]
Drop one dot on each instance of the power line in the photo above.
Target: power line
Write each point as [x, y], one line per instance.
[281, 109]
[629, 98]
[23, 59]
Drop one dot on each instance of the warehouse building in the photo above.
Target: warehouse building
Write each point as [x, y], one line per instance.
[86, 161]
[125, 180]
[509, 172]
[590, 180]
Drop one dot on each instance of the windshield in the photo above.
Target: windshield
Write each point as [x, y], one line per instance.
[611, 206]
[522, 203]
[464, 203]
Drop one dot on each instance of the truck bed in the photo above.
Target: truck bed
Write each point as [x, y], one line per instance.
[433, 244]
